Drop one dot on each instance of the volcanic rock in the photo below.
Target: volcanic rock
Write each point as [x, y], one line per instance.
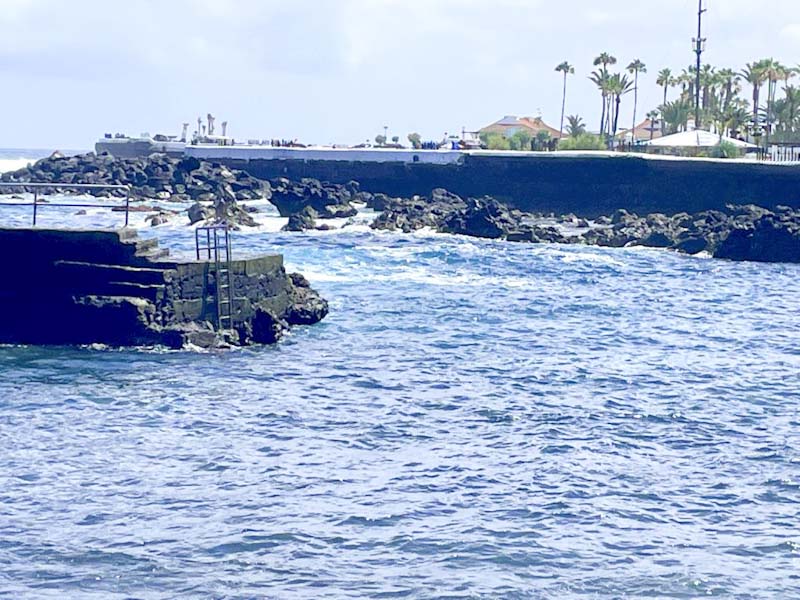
[328, 200]
[302, 221]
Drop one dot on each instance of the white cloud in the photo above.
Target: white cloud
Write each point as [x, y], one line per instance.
[337, 70]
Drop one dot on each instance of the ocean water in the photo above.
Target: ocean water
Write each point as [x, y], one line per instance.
[474, 419]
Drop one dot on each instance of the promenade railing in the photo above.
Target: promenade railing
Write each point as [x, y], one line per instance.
[36, 187]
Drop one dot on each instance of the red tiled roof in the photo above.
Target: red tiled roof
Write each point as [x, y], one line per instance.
[642, 131]
[533, 124]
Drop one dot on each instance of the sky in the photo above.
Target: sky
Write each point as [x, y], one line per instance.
[339, 71]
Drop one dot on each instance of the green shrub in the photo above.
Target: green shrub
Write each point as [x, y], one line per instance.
[495, 141]
[725, 149]
[521, 140]
[582, 141]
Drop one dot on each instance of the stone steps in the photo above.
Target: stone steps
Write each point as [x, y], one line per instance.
[94, 272]
[152, 292]
[107, 286]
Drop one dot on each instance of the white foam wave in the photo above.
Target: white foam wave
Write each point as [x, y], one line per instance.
[418, 275]
[588, 257]
[14, 164]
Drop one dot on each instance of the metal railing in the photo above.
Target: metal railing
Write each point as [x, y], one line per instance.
[780, 154]
[71, 186]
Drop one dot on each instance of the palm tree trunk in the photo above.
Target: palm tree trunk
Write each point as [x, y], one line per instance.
[771, 89]
[755, 103]
[617, 100]
[635, 102]
[563, 105]
[603, 115]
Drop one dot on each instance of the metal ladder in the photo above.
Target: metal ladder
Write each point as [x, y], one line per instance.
[217, 250]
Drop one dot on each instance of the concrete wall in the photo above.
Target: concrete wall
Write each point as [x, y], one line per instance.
[108, 286]
[373, 155]
[587, 185]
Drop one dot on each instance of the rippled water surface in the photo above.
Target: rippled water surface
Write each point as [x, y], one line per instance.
[474, 419]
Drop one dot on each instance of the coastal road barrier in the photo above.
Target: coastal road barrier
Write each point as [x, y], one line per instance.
[37, 186]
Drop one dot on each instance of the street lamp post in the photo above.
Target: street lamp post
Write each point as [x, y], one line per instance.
[699, 44]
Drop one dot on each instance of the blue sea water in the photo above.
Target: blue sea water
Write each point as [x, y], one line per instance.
[474, 419]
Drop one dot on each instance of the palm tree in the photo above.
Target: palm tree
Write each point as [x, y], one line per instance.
[652, 117]
[687, 80]
[665, 80]
[635, 68]
[567, 69]
[753, 74]
[600, 79]
[676, 114]
[619, 85]
[730, 82]
[603, 61]
[788, 109]
[575, 126]
[708, 79]
[774, 72]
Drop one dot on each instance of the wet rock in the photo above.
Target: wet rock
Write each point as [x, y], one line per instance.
[328, 200]
[197, 212]
[157, 219]
[267, 327]
[155, 176]
[484, 217]
[657, 239]
[307, 306]
[691, 245]
[379, 202]
[621, 216]
[411, 214]
[302, 221]
[766, 239]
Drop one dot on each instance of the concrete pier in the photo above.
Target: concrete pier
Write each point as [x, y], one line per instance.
[110, 287]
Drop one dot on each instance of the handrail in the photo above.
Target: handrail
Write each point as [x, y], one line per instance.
[74, 186]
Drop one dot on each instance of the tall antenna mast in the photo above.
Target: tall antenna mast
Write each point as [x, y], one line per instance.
[699, 48]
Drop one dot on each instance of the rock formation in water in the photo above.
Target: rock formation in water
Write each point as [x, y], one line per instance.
[327, 200]
[216, 189]
[744, 232]
[738, 232]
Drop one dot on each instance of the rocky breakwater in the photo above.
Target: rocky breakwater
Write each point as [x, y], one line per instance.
[740, 232]
[745, 232]
[446, 212]
[307, 200]
[215, 190]
[110, 287]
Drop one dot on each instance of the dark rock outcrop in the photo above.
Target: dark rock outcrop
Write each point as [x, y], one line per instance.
[154, 177]
[328, 200]
[484, 217]
[411, 214]
[157, 176]
[765, 239]
[745, 232]
[302, 221]
[306, 306]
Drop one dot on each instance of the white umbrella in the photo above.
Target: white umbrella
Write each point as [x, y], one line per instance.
[698, 138]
